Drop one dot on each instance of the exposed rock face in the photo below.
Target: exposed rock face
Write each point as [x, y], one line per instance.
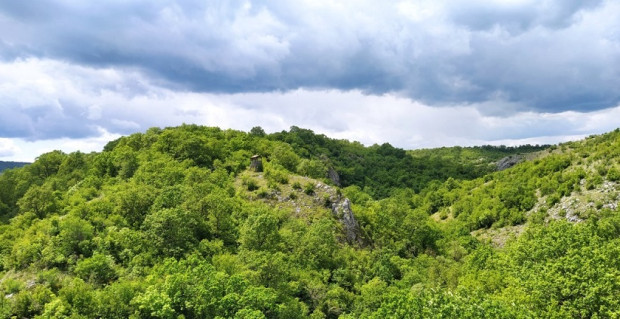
[331, 172]
[333, 176]
[508, 162]
[342, 210]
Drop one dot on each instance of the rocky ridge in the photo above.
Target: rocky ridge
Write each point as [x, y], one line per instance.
[303, 203]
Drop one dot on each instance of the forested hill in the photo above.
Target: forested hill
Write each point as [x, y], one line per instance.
[380, 169]
[171, 223]
[7, 165]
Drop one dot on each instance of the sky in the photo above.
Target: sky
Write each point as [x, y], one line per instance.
[416, 74]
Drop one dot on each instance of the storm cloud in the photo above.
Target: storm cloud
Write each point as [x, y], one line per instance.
[64, 106]
[545, 56]
[426, 73]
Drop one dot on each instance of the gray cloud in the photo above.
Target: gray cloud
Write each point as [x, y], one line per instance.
[519, 16]
[547, 56]
[44, 122]
[69, 107]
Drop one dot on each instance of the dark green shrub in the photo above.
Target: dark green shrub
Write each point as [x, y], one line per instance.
[309, 188]
[99, 269]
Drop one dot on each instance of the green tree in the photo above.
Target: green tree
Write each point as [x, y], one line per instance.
[98, 269]
[41, 200]
[173, 231]
[260, 232]
[257, 131]
[284, 155]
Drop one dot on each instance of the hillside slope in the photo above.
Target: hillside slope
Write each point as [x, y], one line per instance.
[584, 171]
[382, 169]
[171, 223]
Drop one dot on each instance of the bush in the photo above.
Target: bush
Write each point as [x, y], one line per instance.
[553, 199]
[538, 217]
[284, 155]
[327, 201]
[276, 173]
[309, 188]
[613, 174]
[443, 214]
[594, 181]
[250, 183]
[312, 168]
[12, 286]
[263, 193]
[99, 269]
[602, 170]
[28, 304]
[273, 186]
[172, 232]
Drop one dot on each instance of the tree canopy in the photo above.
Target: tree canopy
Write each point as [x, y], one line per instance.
[170, 223]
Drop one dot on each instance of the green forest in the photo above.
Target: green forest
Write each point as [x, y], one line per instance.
[172, 223]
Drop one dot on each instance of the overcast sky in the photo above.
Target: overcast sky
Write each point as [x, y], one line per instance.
[76, 74]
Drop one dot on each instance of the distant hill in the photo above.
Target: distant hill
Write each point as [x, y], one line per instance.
[477, 155]
[382, 169]
[7, 165]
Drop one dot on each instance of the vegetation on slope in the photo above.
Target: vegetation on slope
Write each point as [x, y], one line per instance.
[381, 169]
[481, 155]
[169, 224]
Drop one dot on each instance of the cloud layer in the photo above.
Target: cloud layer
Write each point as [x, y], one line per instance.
[61, 105]
[425, 73]
[545, 56]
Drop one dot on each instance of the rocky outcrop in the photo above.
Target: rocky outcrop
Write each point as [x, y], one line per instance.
[508, 162]
[342, 211]
[333, 176]
[582, 203]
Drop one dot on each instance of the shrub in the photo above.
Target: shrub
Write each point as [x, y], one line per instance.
[553, 199]
[273, 185]
[250, 183]
[312, 168]
[276, 173]
[309, 188]
[327, 201]
[596, 180]
[613, 174]
[263, 193]
[98, 269]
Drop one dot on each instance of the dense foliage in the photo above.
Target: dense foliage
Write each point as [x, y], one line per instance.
[380, 169]
[169, 224]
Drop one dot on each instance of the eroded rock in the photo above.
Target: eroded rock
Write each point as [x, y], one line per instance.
[333, 176]
[342, 211]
